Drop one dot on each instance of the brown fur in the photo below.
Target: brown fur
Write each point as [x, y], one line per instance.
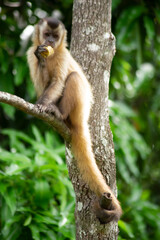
[63, 89]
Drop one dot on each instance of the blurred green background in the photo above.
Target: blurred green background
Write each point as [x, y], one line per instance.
[36, 196]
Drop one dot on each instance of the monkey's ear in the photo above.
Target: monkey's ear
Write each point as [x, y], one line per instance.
[35, 37]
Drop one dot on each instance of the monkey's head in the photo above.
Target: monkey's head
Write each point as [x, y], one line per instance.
[51, 32]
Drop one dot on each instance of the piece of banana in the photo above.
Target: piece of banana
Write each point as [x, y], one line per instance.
[49, 51]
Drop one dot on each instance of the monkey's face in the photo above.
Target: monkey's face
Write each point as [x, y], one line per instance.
[51, 32]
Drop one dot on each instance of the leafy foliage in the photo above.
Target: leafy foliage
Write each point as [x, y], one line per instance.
[134, 117]
[36, 195]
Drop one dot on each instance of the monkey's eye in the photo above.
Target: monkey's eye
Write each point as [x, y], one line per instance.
[55, 36]
[46, 34]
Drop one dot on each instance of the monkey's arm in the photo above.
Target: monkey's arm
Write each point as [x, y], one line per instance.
[52, 93]
[47, 100]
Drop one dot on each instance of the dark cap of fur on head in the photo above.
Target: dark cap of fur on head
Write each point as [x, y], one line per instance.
[52, 22]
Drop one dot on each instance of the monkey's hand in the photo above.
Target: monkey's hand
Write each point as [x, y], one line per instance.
[44, 51]
[107, 209]
[50, 109]
[41, 51]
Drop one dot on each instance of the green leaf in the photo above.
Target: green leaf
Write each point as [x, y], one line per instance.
[115, 4]
[150, 27]
[28, 220]
[131, 14]
[18, 134]
[14, 157]
[15, 169]
[45, 219]
[140, 225]
[14, 232]
[51, 235]
[60, 150]
[10, 198]
[21, 71]
[123, 170]
[3, 188]
[5, 213]
[9, 222]
[144, 76]
[37, 134]
[9, 111]
[30, 90]
[124, 109]
[7, 84]
[35, 232]
[63, 221]
[125, 28]
[42, 192]
[126, 228]
[157, 13]
[3, 57]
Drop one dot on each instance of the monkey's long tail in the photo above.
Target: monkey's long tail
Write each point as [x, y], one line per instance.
[82, 150]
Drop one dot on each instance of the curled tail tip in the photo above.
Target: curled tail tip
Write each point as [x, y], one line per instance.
[106, 216]
[107, 209]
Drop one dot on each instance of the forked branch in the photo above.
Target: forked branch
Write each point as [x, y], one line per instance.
[33, 110]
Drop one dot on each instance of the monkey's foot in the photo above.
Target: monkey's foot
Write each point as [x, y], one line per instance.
[52, 109]
[107, 209]
[41, 108]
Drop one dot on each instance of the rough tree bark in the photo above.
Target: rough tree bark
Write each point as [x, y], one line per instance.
[93, 46]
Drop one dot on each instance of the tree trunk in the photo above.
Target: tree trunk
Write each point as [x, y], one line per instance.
[93, 46]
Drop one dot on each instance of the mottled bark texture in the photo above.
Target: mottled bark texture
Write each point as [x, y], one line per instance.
[93, 46]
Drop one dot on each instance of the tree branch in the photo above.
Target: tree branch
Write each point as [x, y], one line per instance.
[33, 110]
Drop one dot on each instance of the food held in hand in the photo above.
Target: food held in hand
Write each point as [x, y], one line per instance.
[49, 51]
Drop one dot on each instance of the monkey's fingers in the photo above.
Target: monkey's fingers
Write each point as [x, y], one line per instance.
[42, 108]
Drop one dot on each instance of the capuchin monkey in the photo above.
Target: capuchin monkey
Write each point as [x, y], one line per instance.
[63, 90]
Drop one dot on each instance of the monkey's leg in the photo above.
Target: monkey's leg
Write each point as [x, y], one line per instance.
[68, 101]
